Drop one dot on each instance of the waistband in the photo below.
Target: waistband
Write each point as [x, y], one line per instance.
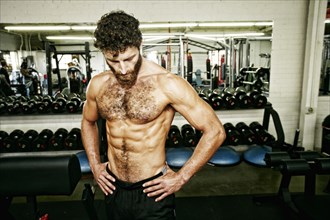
[131, 186]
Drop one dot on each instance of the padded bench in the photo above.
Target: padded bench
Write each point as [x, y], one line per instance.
[32, 174]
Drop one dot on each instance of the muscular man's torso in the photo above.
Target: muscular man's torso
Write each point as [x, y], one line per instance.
[138, 120]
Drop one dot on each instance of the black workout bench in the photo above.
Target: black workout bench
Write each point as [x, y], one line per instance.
[33, 174]
[306, 205]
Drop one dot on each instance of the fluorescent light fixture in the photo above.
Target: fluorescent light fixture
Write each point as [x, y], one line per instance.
[151, 35]
[243, 35]
[167, 25]
[70, 38]
[234, 24]
[154, 38]
[37, 28]
[142, 26]
[83, 28]
[203, 37]
[214, 37]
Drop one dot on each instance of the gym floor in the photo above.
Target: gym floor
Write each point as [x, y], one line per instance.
[213, 193]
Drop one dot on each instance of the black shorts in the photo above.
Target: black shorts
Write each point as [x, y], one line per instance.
[129, 201]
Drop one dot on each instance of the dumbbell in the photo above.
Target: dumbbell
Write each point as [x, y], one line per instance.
[263, 137]
[29, 107]
[229, 99]
[24, 144]
[244, 101]
[59, 103]
[14, 108]
[10, 142]
[44, 105]
[57, 141]
[174, 138]
[258, 100]
[73, 103]
[42, 141]
[203, 94]
[233, 137]
[73, 140]
[3, 136]
[215, 100]
[248, 136]
[3, 107]
[188, 135]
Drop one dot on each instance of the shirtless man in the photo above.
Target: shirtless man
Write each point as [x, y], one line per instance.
[138, 99]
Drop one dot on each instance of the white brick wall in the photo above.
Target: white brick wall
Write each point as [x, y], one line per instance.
[288, 45]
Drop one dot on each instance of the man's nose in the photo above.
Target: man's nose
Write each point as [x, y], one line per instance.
[122, 68]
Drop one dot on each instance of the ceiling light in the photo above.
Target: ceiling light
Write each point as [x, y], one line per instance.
[83, 28]
[167, 25]
[234, 24]
[37, 28]
[70, 38]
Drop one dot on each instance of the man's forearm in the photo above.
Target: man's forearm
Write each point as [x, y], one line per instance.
[91, 142]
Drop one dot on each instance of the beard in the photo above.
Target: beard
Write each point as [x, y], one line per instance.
[128, 79]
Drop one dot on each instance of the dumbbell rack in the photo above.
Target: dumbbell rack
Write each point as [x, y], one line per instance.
[53, 121]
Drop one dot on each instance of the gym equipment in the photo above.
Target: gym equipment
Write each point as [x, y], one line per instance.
[225, 156]
[326, 135]
[57, 141]
[255, 155]
[73, 103]
[177, 157]
[3, 136]
[3, 107]
[44, 105]
[274, 159]
[258, 100]
[10, 142]
[174, 138]
[306, 205]
[215, 100]
[41, 143]
[14, 108]
[29, 107]
[263, 137]
[51, 52]
[188, 135]
[189, 67]
[228, 98]
[84, 163]
[32, 175]
[256, 78]
[244, 101]
[248, 136]
[24, 144]
[203, 94]
[176, 152]
[233, 136]
[73, 140]
[59, 103]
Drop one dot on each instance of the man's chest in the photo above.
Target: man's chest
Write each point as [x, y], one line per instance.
[137, 103]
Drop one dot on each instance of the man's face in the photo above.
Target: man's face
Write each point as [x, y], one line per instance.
[125, 65]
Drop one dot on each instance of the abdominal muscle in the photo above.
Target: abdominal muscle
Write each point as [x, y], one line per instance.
[136, 150]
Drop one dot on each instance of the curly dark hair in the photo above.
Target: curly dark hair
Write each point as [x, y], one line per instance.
[116, 31]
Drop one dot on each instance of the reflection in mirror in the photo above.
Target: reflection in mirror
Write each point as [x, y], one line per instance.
[209, 62]
[209, 55]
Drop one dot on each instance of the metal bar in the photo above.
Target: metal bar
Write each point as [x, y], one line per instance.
[88, 62]
[161, 44]
[181, 57]
[48, 68]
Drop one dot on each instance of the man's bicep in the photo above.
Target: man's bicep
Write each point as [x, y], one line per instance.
[195, 110]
